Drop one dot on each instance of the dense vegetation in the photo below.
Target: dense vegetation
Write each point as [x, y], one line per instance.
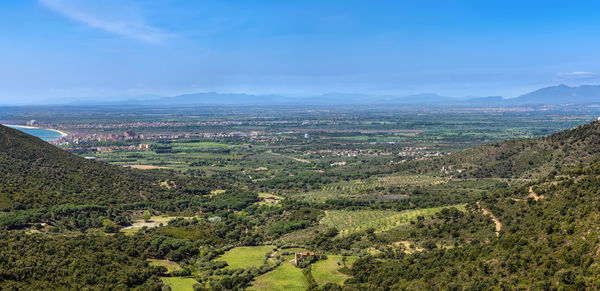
[547, 242]
[524, 158]
[551, 243]
[63, 217]
[40, 262]
[34, 174]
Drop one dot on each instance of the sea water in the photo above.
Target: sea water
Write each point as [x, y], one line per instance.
[43, 134]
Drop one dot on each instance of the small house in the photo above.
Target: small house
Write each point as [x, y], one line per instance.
[300, 257]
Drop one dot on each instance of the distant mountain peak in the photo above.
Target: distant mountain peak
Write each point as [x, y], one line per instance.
[561, 94]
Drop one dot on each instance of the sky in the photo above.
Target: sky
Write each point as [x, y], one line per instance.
[60, 50]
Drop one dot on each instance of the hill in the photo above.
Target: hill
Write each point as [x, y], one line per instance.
[524, 158]
[36, 174]
[561, 94]
[548, 234]
[548, 244]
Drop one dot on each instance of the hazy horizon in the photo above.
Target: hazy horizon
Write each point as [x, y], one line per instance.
[57, 51]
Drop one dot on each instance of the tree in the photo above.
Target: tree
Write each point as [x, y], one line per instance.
[146, 215]
[109, 225]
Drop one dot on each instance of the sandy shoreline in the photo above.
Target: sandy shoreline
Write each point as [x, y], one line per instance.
[62, 133]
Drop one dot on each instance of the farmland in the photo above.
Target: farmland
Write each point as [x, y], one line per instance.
[180, 284]
[348, 222]
[246, 257]
[285, 277]
[225, 200]
[328, 271]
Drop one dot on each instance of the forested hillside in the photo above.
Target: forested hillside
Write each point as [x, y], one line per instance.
[550, 233]
[42, 183]
[40, 262]
[36, 174]
[524, 158]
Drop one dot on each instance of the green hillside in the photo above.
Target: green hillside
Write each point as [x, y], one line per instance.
[42, 183]
[549, 233]
[36, 174]
[529, 158]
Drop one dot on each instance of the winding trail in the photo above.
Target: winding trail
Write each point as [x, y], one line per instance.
[534, 195]
[494, 218]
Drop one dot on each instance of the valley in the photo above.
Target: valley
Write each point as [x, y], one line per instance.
[376, 200]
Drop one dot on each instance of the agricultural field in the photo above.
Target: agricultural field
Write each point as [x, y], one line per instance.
[411, 180]
[182, 155]
[328, 271]
[179, 283]
[346, 184]
[285, 278]
[245, 257]
[153, 222]
[348, 222]
[353, 186]
[191, 146]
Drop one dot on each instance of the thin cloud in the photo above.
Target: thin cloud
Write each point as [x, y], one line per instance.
[127, 28]
[579, 75]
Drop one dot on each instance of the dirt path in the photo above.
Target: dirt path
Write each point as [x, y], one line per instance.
[494, 218]
[295, 159]
[534, 195]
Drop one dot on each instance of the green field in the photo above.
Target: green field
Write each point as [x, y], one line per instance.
[348, 222]
[179, 283]
[199, 145]
[286, 277]
[327, 271]
[154, 221]
[243, 257]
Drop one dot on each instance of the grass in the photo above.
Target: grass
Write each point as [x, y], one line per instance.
[243, 257]
[327, 271]
[184, 154]
[348, 222]
[265, 195]
[180, 283]
[171, 266]
[286, 277]
[217, 192]
[154, 221]
[410, 180]
[202, 144]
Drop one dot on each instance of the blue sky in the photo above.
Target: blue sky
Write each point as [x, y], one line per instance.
[55, 50]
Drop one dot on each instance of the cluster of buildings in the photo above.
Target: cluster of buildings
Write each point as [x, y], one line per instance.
[405, 152]
[139, 147]
[150, 124]
[81, 138]
[450, 169]
[85, 137]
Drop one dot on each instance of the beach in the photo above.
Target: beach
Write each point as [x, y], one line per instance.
[62, 133]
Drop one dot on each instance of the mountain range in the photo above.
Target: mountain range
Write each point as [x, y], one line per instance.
[554, 95]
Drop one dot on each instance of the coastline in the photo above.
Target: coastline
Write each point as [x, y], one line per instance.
[62, 133]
